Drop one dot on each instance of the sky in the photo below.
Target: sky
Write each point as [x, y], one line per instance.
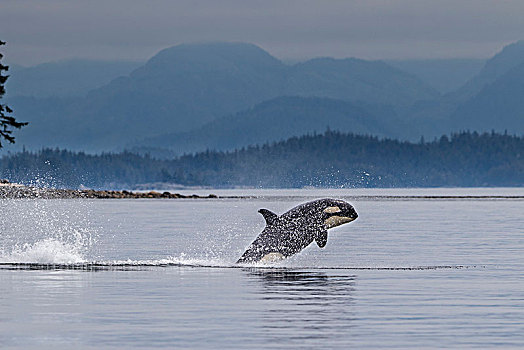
[40, 31]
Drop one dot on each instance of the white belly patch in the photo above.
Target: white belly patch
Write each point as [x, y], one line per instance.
[272, 257]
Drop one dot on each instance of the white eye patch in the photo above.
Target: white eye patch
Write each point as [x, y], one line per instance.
[332, 210]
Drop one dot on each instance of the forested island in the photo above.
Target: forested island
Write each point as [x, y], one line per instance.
[331, 159]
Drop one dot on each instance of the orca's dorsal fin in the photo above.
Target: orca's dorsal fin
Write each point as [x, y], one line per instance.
[321, 238]
[270, 217]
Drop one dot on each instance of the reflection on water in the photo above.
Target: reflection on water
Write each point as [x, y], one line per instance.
[304, 305]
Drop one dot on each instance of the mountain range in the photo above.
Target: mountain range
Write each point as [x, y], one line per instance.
[491, 100]
[65, 78]
[275, 120]
[445, 75]
[227, 95]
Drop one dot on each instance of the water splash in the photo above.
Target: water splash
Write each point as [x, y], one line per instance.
[46, 231]
[48, 251]
[182, 260]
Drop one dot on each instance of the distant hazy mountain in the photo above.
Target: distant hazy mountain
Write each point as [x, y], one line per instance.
[178, 89]
[48, 122]
[498, 106]
[186, 86]
[494, 99]
[275, 120]
[511, 56]
[356, 80]
[489, 100]
[225, 95]
[65, 78]
[445, 75]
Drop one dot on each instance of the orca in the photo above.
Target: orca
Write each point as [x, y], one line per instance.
[289, 233]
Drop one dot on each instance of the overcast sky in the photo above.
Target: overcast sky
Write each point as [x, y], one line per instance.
[48, 30]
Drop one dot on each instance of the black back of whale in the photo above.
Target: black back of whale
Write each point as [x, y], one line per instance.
[294, 230]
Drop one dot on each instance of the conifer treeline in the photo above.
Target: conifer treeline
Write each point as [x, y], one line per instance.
[331, 159]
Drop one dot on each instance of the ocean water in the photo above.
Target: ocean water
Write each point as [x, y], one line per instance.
[410, 272]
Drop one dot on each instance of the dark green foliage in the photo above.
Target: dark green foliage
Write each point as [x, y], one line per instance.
[65, 169]
[7, 121]
[332, 159]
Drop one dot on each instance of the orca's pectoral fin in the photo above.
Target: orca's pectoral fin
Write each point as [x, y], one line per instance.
[270, 217]
[321, 238]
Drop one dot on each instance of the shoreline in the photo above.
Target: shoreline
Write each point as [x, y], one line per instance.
[10, 190]
[16, 191]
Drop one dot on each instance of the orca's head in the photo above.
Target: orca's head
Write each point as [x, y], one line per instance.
[336, 212]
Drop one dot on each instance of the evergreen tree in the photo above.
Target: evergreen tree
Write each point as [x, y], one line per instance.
[332, 159]
[7, 121]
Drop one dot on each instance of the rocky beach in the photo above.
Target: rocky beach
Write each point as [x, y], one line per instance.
[15, 191]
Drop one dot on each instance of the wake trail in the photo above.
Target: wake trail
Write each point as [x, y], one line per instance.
[51, 254]
[165, 263]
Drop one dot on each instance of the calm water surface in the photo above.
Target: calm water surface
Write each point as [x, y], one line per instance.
[409, 273]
